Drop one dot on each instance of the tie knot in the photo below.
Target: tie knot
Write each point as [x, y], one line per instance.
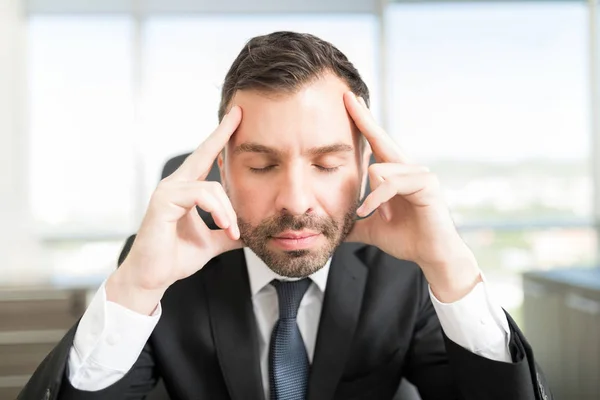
[290, 295]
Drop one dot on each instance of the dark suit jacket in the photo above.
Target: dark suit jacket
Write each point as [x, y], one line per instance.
[377, 325]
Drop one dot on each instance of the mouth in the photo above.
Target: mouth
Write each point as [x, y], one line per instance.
[296, 240]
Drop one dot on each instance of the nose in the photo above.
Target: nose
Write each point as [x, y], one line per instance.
[295, 195]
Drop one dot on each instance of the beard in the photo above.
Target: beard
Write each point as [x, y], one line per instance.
[297, 263]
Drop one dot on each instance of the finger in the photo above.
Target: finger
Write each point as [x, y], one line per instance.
[378, 172]
[233, 229]
[212, 205]
[406, 186]
[383, 170]
[384, 148]
[224, 243]
[197, 222]
[375, 179]
[382, 194]
[171, 201]
[197, 165]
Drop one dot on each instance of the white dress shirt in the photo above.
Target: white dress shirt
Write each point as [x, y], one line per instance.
[110, 338]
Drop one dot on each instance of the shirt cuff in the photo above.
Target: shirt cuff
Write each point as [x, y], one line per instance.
[476, 322]
[109, 336]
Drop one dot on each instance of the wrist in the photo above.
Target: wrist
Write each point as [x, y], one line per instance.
[454, 279]
[123, 290]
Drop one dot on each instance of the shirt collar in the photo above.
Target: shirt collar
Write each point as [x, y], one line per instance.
[261, 275]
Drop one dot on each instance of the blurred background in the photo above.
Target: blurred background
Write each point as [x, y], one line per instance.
[500, 98]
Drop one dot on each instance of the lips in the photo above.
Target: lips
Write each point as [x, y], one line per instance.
[296, 235]
[290, 240]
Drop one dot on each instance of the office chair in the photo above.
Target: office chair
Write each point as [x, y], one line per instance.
[406, 390]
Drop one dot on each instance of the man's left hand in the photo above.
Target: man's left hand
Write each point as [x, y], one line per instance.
[412, 221]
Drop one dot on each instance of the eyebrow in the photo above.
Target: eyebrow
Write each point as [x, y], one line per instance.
[251, 147]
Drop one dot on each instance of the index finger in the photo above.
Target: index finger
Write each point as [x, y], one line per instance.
[197, 165]
[383, 146]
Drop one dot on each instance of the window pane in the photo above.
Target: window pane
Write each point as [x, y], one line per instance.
[186, 60]
[80, 103]
[494, 98]
[504, 254]
[79, 263]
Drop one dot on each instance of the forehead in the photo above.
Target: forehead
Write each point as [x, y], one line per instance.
[313, 115]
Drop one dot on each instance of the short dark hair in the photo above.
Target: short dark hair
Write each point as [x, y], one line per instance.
[284, 62]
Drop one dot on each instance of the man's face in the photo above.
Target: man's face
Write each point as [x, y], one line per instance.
[293, 172]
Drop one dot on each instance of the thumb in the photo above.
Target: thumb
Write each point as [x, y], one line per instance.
[360, 232]
[223, 243]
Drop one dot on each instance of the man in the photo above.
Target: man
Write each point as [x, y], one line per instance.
[317, 305]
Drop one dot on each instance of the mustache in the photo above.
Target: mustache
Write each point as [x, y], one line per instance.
[277, 224]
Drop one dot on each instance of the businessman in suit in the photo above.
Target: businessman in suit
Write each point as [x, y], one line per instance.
[308, 290]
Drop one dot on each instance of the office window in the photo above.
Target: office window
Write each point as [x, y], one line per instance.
[81, 165]
[503, 254]
[80, 124]
[495, 99]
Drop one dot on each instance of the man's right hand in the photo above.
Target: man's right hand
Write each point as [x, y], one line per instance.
[173, 242]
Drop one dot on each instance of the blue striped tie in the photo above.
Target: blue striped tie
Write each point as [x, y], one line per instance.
[288, 360]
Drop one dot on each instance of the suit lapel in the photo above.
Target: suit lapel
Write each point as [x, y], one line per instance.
[339, 317]
[234, 325]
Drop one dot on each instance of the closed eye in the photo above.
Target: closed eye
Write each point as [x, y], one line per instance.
[262, 170]
[326, 169]
[271, 167]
